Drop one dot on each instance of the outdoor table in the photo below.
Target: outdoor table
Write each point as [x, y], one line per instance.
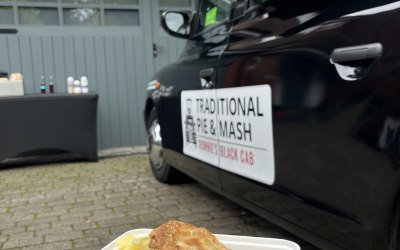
[65, 122]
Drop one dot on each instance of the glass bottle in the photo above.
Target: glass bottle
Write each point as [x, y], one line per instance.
[51, 85]
[42, 85]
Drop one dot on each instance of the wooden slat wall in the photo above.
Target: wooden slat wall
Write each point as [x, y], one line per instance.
[114, 64]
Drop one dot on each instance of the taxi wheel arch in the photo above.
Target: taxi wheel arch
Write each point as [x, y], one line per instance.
[162, 171]
[148, 108]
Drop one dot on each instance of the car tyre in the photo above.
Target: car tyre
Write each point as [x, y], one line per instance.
[162, 171]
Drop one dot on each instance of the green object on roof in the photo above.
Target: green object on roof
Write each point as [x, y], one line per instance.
[211, 16]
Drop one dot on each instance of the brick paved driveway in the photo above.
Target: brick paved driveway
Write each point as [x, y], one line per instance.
[87, 205]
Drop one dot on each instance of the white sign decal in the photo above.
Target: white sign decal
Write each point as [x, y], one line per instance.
[231, 128]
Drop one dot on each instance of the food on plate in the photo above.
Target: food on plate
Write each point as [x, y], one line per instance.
[172, 235]
[179, 235]
[133, 242]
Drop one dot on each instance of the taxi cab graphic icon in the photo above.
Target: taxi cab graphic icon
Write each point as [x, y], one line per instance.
[190, 125]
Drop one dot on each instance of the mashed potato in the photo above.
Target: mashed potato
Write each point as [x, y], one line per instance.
[133, 242]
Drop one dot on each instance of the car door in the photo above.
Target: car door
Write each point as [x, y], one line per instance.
[329, 68]
[182, 82]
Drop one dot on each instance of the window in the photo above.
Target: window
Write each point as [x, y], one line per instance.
[6, 15]
[38, 1]
[123, 13]
[38, 16]
[81, 1]
[121, 17]
[121, 2]
[174, 3]
[81, 16]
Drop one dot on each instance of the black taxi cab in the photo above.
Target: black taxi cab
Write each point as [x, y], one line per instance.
[290, 108]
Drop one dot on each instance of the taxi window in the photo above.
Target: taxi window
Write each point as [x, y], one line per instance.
[213, 12]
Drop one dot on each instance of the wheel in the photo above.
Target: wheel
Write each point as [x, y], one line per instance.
[394, 238]
[162, 171]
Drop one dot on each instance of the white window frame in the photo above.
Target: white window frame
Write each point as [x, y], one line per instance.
[60, 6]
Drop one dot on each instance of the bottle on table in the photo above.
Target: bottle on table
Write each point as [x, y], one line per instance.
[70, 84]
[84, 85]
[42, 85]
[51, 85]
[77, 87]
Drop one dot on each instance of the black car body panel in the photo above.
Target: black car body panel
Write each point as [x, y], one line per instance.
[336, 126]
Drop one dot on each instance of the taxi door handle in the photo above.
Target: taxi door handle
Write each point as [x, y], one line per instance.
[355, 62]
[356, 53]
[206, 78]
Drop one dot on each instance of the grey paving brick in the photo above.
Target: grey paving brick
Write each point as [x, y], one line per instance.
[118, 230]
[131, 208]
[149, 223]
[22, 215]
[13, 230]
[88, 196]
[251, 218]
[77, 215]
[142, 212]
[55, 230]
[202, 208]
[49, 212]
[114, 202]
[5, 225]
[103, 214]
[229, 230]
[169, 207]
[175, 213]
[86, 243]
[88, 224]
[145, 199]
[37, 221]
[63, 245]
[30, 207]
[60, 206]
[3, 210]
[100, 233]
[68, 221]
[228, 221]
[22, 241]
[116, 221]
[225, 213]
[37, 227]
[3, 238]
[192, 218]
[149, 216]
[63, 236]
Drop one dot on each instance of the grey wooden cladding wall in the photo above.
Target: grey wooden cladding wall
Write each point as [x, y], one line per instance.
[114, 64]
